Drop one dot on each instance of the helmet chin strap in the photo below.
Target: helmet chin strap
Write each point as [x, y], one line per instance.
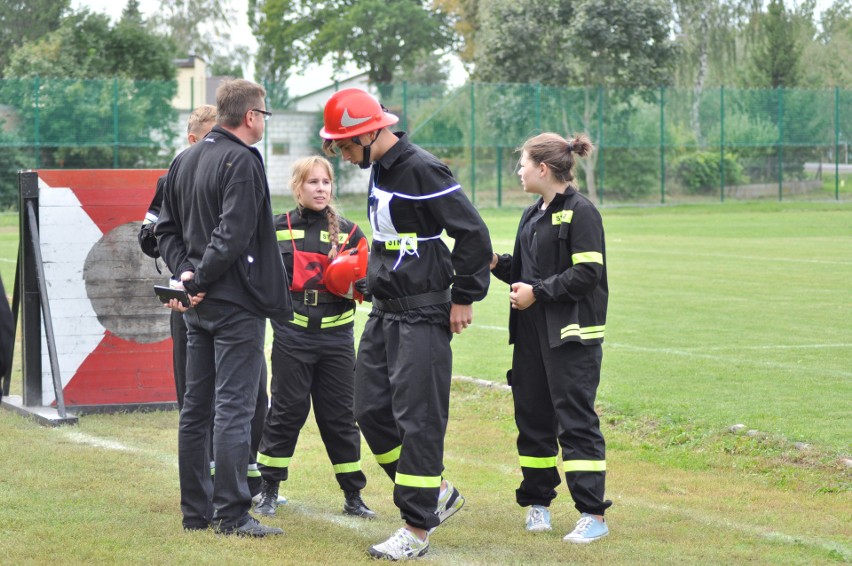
[365, 160]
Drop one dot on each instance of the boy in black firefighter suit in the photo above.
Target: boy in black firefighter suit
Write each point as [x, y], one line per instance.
[313, 355]
[201, 121]
[421, 293]
[558, 312]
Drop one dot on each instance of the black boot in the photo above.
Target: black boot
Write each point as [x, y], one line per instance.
[354, 505]
[268, 498]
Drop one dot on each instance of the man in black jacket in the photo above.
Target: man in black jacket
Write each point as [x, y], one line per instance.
[216, 231]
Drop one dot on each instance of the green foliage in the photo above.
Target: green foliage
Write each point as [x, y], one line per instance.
[23, 21]
[776, 58]
[125, 121]
[700, 172]
[12, 160]
[383, 36]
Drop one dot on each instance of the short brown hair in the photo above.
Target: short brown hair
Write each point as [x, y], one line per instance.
[236, 97]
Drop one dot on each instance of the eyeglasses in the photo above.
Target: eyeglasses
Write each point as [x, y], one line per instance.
[266, 115]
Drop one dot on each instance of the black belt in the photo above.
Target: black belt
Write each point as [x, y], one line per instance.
[413, 301]
[314, 297]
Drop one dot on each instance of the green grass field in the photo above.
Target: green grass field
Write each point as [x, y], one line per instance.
[735, 313]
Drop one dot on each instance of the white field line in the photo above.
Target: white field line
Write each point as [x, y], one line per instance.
[752, 530]
[360, 525]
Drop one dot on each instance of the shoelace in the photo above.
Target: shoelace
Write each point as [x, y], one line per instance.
[536, 516]
[583, 525]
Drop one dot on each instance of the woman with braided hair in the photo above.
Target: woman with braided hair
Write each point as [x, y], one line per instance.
[313, 355]
[558, 300]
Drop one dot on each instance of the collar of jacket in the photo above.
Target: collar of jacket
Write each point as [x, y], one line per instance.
[219, 130]
[391, 155]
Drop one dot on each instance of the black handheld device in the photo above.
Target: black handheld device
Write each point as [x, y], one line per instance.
[165, 294]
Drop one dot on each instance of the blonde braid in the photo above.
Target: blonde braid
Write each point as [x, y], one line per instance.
[333, 229]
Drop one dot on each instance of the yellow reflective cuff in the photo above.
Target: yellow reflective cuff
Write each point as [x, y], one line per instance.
[409, 238]
[588, 333]
[562, 217]
[347, 467]
[587, 257]
[388, 457]
[271, 462]
[417, 481]
[585, 465]
[536, 462]
[253, 474]
[284, 235]
[338, 320]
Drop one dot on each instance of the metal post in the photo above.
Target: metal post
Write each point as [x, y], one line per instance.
[722, 144]
[115, 122]
[836, 143]
[405, 105]
[30, 305]
[499, 177]
[662, 145]
[600, 145]
[472, 143]
[780, 143]
[36, 82]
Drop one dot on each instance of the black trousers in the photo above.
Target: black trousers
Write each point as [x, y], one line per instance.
[402, 400]
[301, 373]
[179, 342]
[224, 359]
[554, 393]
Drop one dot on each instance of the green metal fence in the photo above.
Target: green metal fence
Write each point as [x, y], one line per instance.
[653, 146]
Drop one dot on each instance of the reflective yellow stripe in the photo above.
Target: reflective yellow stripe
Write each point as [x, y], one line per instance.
[253, 473]
[588, 333]
[537, 462]
[284, 235]
[585, 465]
[389, 457]
[347, 467]
[338, 320]
[587, 257]
[410, 239]
[272, 462]
[417, 481]
[299, 320]
[562, 217]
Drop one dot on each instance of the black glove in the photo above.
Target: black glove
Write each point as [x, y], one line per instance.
[361, 286]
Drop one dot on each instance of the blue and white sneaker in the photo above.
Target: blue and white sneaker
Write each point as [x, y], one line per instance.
[588, 529]
[538, 519]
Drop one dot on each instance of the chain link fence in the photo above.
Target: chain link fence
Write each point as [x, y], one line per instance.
[653, 146]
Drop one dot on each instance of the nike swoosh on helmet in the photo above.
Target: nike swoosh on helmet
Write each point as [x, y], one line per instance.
[348, 121]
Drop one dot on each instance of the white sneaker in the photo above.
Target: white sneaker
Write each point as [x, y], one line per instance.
[538, 519]
[588, 529]
[449, 502]
[402, 545]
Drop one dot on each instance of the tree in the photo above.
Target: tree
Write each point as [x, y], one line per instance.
[619, 46]
[776, 57]
[384, 36]
[203, 28]
[26, 20]
[100, 94]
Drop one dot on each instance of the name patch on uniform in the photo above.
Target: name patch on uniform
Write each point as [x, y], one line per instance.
[324, 237]
[562, 217]
[409, 241]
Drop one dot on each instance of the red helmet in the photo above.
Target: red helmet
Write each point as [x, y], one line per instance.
[351, 112]
[347, 268]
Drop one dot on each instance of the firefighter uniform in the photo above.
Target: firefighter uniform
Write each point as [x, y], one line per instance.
[313, 355]
[557, 355]
[404, 360]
